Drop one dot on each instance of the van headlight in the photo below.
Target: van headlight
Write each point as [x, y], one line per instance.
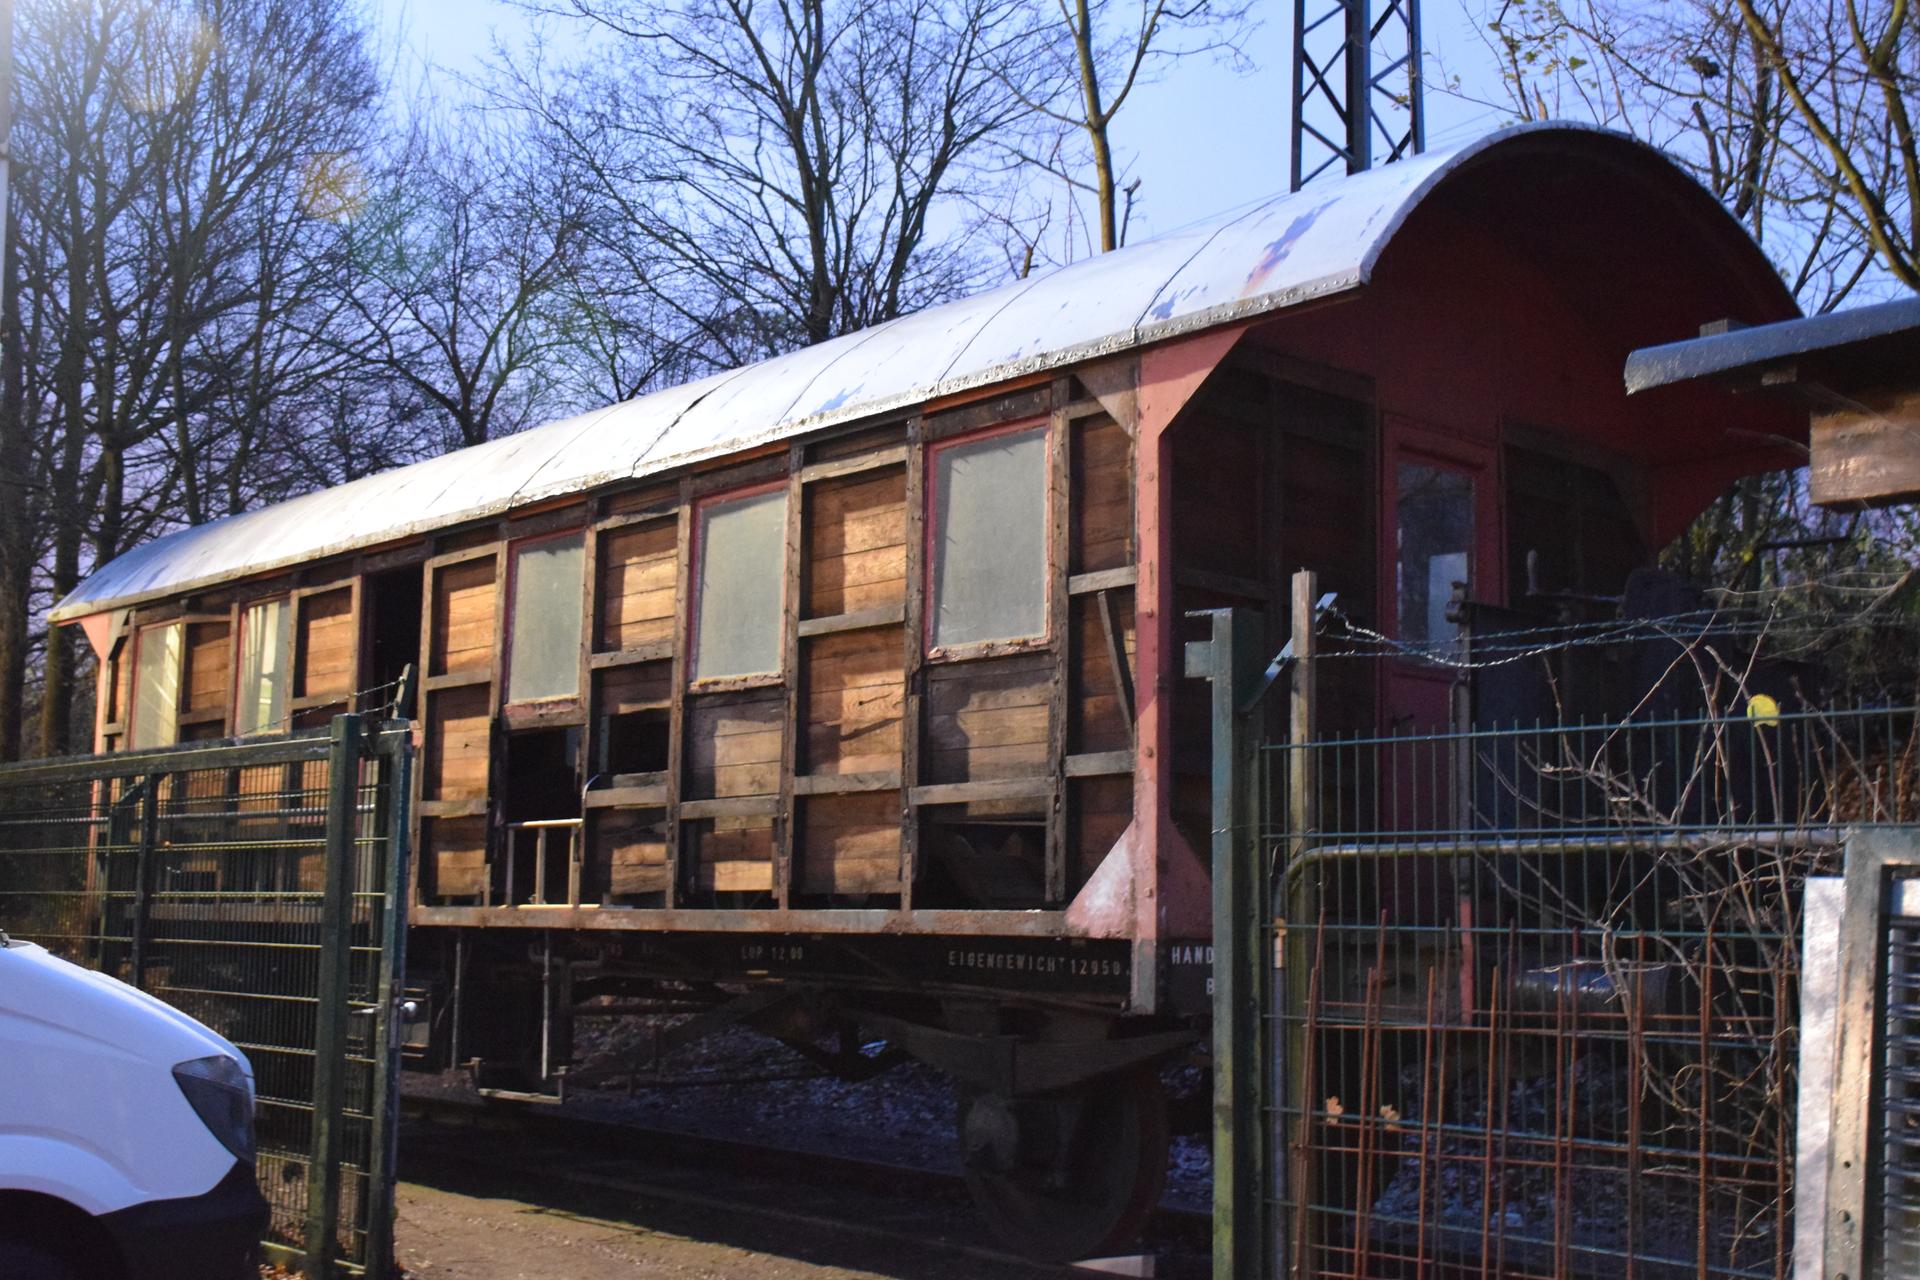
[220, 1093]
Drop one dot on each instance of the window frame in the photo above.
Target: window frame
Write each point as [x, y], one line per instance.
[1410, 440]
[140, 631]
[930, 529]
[239, 632]
[697, 683]
[509, 606]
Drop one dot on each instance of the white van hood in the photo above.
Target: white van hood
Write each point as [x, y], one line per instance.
[37, 986]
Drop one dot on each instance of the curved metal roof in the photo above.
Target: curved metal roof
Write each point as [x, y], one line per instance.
[1259, 259]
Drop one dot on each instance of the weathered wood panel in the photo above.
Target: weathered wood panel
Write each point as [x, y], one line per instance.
[733, 744]
[463, 608]
[850, 843]
[854, 444]
[1099, 717]
[1866, 457]
[637, 567]
[325, 645]
[630, 846]
[855, 697]
[458, 744]
[643, 686]
[647, 499]
[732, 855]
[454, 857]
[856, 543]
[1102, 503]
[209, 668]
[1101, 808]
[987, 719]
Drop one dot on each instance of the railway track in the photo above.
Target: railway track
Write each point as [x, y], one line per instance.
[918, 1215]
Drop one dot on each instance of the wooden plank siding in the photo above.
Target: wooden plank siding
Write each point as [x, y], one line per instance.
[326, 645]
[209, 676]
[460, 633]
[636, 581]
[815, 786]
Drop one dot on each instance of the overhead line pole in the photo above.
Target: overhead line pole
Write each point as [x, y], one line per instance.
[1345, 112]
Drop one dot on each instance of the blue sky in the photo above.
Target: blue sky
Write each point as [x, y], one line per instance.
[1201, 139]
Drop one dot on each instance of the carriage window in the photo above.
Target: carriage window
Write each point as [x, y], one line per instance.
[741, 577]
[1570, 533]
[990, 539]
[266, 653]
[543, 649]
[156, 692]
[1434, 515]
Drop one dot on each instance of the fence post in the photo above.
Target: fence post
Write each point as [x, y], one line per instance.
[393, 753]
[322, 1242]
[1299, 908]
[143, 872]
[1854, 1225]
[1230, 660]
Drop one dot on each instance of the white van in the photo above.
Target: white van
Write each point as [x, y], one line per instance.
[126, 1133]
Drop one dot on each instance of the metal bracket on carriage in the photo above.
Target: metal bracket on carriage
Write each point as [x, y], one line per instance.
[1017, 1067]
[1284, 659]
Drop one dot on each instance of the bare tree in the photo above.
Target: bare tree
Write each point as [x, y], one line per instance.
[1079, 63]
[1795, 115]
[774, 174]
[458, 268]
[159, 151]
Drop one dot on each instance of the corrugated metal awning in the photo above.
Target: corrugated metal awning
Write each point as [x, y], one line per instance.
[1754, 349]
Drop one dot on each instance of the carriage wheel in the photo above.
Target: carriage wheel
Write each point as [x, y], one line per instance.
[1071, 1175]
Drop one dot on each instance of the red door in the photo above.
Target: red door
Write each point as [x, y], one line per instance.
[1439, 529]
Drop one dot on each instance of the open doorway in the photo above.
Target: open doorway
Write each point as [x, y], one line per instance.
[392, 636]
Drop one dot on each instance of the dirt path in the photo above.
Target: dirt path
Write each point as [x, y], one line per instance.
[469, 1212]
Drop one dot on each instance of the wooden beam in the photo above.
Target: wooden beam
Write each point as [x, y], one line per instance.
[913, 716]
[1100, 764]
[1060, 623]
[730, 807]
[1081, 584]
[1116, 655]
[989, 789]
[658, 651]
[833, 784]
[677, 714]
[893, 456]
[885, 616]
[793, 594]
[653, 796]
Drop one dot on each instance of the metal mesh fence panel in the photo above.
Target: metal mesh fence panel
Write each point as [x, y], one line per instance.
[200, 875]
[1534, 1003]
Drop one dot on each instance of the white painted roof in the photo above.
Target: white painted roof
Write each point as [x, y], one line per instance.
[1256, 260]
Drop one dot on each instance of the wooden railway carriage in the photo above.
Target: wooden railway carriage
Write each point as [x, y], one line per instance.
[857, 673]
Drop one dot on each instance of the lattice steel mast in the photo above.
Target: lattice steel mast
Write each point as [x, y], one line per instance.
[1343, 110]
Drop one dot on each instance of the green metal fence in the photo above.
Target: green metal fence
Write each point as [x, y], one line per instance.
[1523, 1000]
[261, 888]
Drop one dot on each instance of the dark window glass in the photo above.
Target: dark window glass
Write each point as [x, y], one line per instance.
[1434, 515]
